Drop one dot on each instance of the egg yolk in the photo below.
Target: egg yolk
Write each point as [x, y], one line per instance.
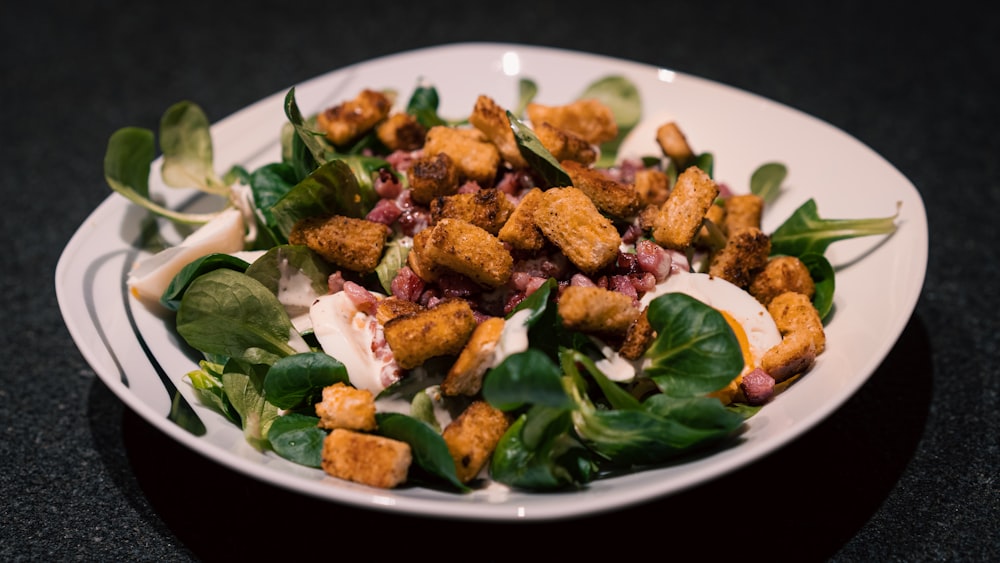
[741, 337]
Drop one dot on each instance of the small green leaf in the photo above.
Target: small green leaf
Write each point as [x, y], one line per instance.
[429, 449]
[332, 189]
[393, 259]
[297, 438]
[299, 379]
[539, 157]
[171, 298]
[527, 89]
[765, 182]
[528, 377]
[622, 97]
[823, 278]
[186, 142]
[806, 232]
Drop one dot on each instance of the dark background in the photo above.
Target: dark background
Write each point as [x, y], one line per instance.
[907, 470]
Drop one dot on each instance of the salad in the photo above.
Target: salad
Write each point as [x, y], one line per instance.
[407, 298]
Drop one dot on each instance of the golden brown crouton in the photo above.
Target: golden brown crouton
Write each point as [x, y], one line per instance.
[472, 437]
[492, 120]
[742, 211]
[744, 254]
[353, 244]
[344, 406]
[432, 176]
[795, 354]
[488, 209]
[590, 119]
[475, 156]
[674, 144]
[349, 120]
[419, 262]
[469, 250]
[597, 310]
[466, 375]
[781, 274]
[441, 330]
[392, 307]
[653, 186]
[402, 132]
[368, 459]
[681, 215]
[794, 312]
[638, 338]
[610, 196]
[565, 145]
[568, 218]
[715, 215]
[520, 230]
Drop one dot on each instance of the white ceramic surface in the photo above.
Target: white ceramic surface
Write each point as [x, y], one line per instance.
[133, 350]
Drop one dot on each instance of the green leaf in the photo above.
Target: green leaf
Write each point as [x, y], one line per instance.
[423, 105]
[207, 383]
[528, 377]
[622, 97]
[297, 438]
[312, 140]
[298, 380]
[823, 278]
[765, 182]
[282, 264]
[270, 183]
[332, 189]
[806, 232]
[538, 157]
[171, 298]
[540, 453]
[429, 449]
[695, 351]
[393, 259]
[186, 142]
[527, 89]
[616, 396]
[231, 314]
[243, 383]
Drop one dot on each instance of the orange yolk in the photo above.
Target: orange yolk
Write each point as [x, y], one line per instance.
[741, 337]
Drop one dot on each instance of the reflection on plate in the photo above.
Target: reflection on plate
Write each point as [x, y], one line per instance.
[137, 354]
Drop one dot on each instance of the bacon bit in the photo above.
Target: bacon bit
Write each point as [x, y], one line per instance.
[363, 299]
[469, 187]
[335, 282]
[407, 285]
[385, 211]
[387, 185]
[455, 285]
[401, 160]
[654, 259]
[581, 280]
[757, 386]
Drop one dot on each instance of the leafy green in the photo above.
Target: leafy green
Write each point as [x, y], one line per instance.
[620, 95]
[428, 447]
[806, 232]
[822, 274]
[171, 298]
[423, 105]
[766, 180]
[297, 380]
[186, 142]
[243, 383]
[393, 259]
[538, 157]
[280, 264]
[528, 377]
[527, 89]
[331, 189]
[297, 438]
[540, 452]
[207, 382]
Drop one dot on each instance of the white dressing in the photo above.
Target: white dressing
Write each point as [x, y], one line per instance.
[296, 293]
[347, 334]
[513, 337]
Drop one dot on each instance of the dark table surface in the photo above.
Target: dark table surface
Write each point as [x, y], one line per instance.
[908, 469]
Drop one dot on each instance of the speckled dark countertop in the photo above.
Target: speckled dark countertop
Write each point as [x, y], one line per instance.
[906, 470]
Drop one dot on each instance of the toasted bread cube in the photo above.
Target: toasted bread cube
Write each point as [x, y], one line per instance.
[401, 132]
[472, 437]
[344, 406]
[488, 209]
[368, 459]
[432, 176]
[781, 274]
[638, 338]
[475, 156]
[794, 312]
[744, 254]
[795, 354]
[653, 186]
[392, 307]
[349, 120]
[743, 210]
[418, 261]
[674, 144]
[520, 230]
[610, 196]
[353, 244]
[597, 310]
[441, 330]
[590, 119]
[716, 214]
[681, 215]
[565, 145]
[571, 221]
[466, 375]
[469, 250]
[492, 120]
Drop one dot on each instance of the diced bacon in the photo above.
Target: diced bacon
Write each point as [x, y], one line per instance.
[623, 284]
[679, 262]
[363, 299]
[581, 280]
[654, 259]
[407, 285]
[469, 188]
[387, 185]
[757, 386]
[385, 211]
[627, 263]
[335, 282]
[455, 285]
[401, 160]
[413, 218]
[643, 282]
[632, 234]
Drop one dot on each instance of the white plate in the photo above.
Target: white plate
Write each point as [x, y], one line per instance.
[878, 278]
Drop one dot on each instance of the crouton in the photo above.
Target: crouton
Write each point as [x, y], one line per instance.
[353, 244]
[744, 254]
[716, 214]
[590, 119]
[419, 262]
[653, 186]
[795, 354]
[681, 215]
[571, 221]
[368, 459]
[476, 158]
[742, 211]
[781, 274]
[492, 120]
[401, 132]
[349, 120]
[794, 312]
[565, 145]
[597, 310]
[392, 307]
[639, 336]
[432, 176]
[520, 230]
[441, 330]
[469, 250]
[344, 406]
[610, 196]
[472, 437]
[488, 209]
[674, 144]
[466, 375]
